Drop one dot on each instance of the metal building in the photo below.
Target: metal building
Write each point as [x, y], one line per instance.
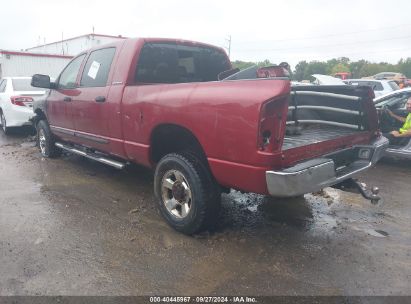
[51, 58]
[75, 45]
[13, 64]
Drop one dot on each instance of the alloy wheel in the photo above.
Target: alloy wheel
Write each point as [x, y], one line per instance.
[42, 141]
[176, 194]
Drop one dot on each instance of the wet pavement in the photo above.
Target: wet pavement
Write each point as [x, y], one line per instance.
[71, 226]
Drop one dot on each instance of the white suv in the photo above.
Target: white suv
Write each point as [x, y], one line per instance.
[16, 101]
[380, 87]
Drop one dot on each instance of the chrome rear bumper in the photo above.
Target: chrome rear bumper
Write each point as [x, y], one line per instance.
[316, 174]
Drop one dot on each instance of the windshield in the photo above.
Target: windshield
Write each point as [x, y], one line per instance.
[392, 100]
[24, 85]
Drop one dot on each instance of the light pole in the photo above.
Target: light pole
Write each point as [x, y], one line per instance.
[229, 45]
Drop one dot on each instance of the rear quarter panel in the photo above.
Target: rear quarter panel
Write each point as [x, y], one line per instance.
[223, 116]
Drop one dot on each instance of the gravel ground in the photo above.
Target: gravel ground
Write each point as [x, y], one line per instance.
[71, 226]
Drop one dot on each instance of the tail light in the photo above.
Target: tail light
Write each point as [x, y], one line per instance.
[20, 100]
[273, 117]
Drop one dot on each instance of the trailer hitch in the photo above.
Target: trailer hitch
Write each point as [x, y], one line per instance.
[353, 185]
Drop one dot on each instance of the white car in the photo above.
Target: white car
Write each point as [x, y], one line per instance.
[16, 101]
[327, 80]
[380, 87]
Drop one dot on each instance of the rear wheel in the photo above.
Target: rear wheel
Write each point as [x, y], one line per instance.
[4, 123]
[187, 195]
[46, 141]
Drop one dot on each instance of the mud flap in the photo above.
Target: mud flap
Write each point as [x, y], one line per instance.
[355, 186]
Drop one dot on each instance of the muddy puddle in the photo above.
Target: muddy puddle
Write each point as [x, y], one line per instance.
[324, 212]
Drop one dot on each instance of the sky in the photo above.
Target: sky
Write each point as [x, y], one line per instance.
[277, 30]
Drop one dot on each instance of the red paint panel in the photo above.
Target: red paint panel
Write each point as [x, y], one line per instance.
[239, 176]
[223, 116]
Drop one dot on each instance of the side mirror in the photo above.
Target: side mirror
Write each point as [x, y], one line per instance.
[41, 81]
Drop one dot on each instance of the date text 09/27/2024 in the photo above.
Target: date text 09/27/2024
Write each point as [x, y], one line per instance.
[239, 299]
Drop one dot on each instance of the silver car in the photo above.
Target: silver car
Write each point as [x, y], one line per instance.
[396, 102]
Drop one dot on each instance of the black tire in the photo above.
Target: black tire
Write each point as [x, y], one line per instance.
[6, 130]
[204, 193]
[46, 141]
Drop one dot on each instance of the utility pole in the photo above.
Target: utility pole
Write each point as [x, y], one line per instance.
[62, 45]
[229, 45]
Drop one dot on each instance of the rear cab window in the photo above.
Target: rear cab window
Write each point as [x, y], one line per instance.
[175, 63]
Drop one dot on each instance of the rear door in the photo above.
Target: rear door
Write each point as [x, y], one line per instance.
[59, 102]
[95, 113]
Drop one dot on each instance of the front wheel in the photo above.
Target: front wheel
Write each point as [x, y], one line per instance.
[187, 195]
[45, 140]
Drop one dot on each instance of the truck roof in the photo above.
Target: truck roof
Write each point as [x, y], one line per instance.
[153, 39]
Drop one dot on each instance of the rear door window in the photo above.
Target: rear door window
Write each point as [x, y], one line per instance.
[97, 68]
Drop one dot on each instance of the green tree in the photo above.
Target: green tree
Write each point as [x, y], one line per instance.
[246, 64]
[299, 71]
[316, 67]
[404, 66]
[339, 67]
[242, 64]
[356, 67]
[344, 60]
[372, 69]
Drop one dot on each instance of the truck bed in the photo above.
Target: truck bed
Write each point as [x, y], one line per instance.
[318, 114]
[314, 134]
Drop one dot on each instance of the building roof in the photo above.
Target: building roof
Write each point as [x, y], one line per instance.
[4, 52]
[77, 37]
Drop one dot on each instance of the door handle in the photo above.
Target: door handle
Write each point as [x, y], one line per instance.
[67, 99]
[100, 99]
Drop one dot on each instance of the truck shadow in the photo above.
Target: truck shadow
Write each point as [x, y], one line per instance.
[253, 211]
[243, 213]
[239, 211]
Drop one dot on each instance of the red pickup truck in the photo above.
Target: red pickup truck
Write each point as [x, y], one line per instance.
[178, 107]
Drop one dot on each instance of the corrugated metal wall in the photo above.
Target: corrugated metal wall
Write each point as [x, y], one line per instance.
[21, 65]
